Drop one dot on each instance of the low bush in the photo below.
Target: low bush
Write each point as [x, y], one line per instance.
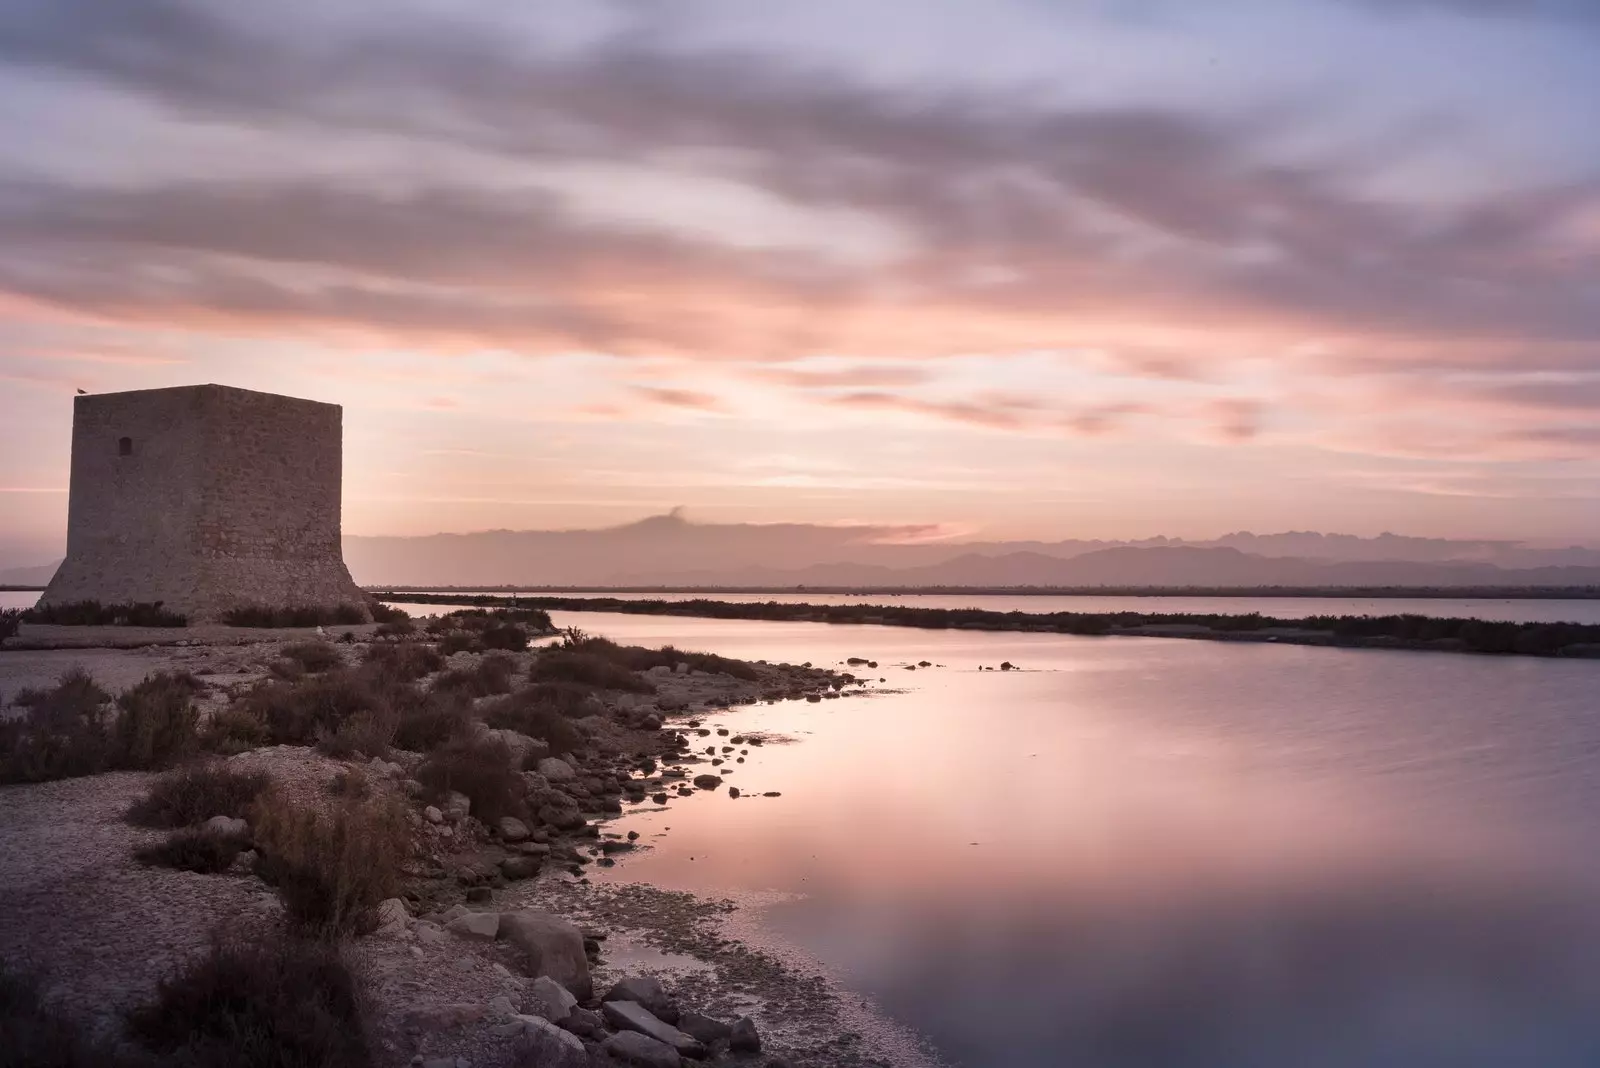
[193, 849]
[365, 734]
[402, 628]
[300, 713]
[489, 676]
[351, 783]
[459, 641]
[35, 1034]
[331, 868]
[67, 732]
[535, 619]
[639, 658]
[158, 723]
[529, 711]
[385, 613]
[566, 665]
[439, 716]
[95, 614]
[196, 792]
[10, 622]
[313, 657]
[403, 661]
[508, 636]
[254, 615]
[482, 770]
[236, 729]
[277, 1003]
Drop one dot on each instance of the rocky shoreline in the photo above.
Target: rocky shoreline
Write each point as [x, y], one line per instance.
[496, 915]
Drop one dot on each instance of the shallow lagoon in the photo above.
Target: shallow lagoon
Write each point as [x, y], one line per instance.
[1146, 852]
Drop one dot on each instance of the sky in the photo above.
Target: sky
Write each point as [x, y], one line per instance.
[1001, 268]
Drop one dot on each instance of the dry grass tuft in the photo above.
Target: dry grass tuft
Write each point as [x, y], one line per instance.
[331, 868]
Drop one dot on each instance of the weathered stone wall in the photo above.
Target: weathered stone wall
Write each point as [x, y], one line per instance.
[220, 497]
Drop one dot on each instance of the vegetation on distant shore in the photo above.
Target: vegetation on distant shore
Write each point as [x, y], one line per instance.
[1393, 631]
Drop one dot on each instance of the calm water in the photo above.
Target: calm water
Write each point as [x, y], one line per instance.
[1148, 853]
[1529, 611]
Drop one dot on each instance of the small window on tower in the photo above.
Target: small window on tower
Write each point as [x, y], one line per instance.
[124, 446]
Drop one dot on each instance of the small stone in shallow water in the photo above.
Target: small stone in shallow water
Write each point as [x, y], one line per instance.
[733, 791]
[772, 793]
[707, 782]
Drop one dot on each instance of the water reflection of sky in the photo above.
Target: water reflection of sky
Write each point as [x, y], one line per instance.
[1145, 852]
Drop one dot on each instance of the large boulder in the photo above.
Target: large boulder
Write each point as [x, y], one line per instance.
[704, 1028]
[550, 999]
[512, 829]
[744, 1038]
[549, 946]
[556, 770]
[642, 1051]
[632, 1016]
[545, 1045]
[646, 991]
[521, 747]
[482, 926]
[227, 827]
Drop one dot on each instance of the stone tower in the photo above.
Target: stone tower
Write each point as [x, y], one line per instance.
[205, 498]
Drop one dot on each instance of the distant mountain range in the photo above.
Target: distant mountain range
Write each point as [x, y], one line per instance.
[673, 551]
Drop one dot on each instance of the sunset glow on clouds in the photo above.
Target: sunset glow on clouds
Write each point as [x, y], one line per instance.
[1031, 269]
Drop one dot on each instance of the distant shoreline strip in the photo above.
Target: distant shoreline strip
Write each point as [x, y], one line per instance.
[1405, 632]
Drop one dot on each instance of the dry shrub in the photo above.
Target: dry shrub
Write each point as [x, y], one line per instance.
[566, 665]
[300, 713]
[313, 657]
[509, 636]
[459, 641]
[432, 721]
[277, 1003]
[332, 867]
[491, 675]
[158, 722]
[36, 1035]
[66, 732]
[196, 792]
[366, 734]
[481, 769]
[193, 849]
[351, 783]
[403, 661]
[236, 729]
[534, 712]
[639, 658]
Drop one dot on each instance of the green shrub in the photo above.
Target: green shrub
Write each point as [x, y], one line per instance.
[196, 792]
[565, 665]
[331, 868]
[277, 1003]
[403, 661]
[192, 849]
[10, 622]
[481, 769]
[313, 657]
[158, 722]
[95, 614]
